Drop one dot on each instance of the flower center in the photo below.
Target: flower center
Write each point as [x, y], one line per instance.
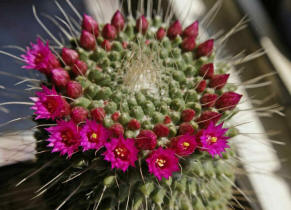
[93, 137]
[121, 152]
[51, 105]
[38, 58]
[161, 163]
[67, 138]
[212, 139]
[185, 145]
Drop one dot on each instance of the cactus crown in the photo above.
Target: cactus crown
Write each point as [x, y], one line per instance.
[139, 108]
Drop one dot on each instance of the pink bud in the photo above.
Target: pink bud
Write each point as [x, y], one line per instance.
[74, 89]
[201, 86]
[146, 140]
[206, 117]
[227, 101]
[191, 30]
[186, 128]
[161, 130]
[69, 56]
[109, 32]
[124, 44]
[106, 45]
[87, 40]
[60, 77]
[117, 130]
[79, 114]
[90, 25]
[188, 44]
[207, 70]
[79, 68]
[161, 33]
[218, 81]
[142, 24]
[118, 21]
[174, 30]
[98, 114]
[208, 100]
[133, 124]
[205, 48]
[188, 115]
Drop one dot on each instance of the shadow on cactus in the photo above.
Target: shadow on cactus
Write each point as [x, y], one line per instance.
[132, 116]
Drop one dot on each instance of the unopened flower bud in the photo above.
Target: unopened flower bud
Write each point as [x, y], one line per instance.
[118, 21]
[60, 77]
[74, 89]
[205, 48]
[87, 40]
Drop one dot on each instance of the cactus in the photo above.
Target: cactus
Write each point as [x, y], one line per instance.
[133, 115]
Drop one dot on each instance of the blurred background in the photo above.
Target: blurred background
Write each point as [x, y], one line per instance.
[269, 29]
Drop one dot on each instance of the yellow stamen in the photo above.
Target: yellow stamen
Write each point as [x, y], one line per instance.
[160, 162]
[213, 139]
[94, 135]
[186, 144]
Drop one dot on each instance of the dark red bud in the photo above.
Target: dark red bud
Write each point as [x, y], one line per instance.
[207, 70]
[98, 114]
[146, 140]
[133, 124]
[142, 24]
[79, 68]
[161, 130]
[208, 100]
[69, 56]
[191, 30]
[227, 101]
[106, 45]
[60, 77]
[109, 32]
[74, 89]
[186, 128]
[118, 21]
[87, 40]
[161, 33]
[205, 48]
[188, 44]
[188, 115]
[174, 30]
[201, 86]
[90, 25]
[218, 81]
[167, 119]
[117, 130]
[206, 117]
[79, 114]
[115, 116]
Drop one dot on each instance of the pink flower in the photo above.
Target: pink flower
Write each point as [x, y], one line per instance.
[40, 57]
[64, 137]
[93, 135]
[212, 139]
[162, 163]
[121, 153]
[184, 145]
[50, 105]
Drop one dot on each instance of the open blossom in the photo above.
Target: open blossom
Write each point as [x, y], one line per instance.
[184, 145]
[64, 137]
[93, 135]
[212, 139]
[162, 163]
[40, 57]
[49, 104]
[121, 153]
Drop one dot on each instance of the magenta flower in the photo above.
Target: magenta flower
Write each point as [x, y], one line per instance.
[40, 57]
[64, 137]
[121, 153]
[49, 104]
[212, 139]
[93, 135]
[162, 163]
[184, 145]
